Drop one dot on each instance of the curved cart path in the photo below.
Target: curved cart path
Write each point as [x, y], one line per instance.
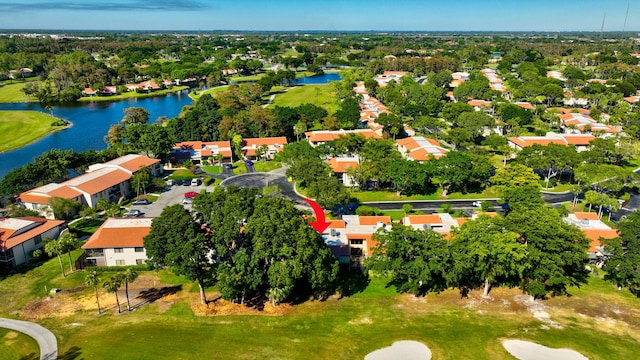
[45, 338]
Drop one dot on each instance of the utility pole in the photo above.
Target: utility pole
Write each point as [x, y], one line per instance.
[602, 26]
[626, 16]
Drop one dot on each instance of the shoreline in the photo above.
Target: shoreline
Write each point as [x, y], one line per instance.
[51, 131]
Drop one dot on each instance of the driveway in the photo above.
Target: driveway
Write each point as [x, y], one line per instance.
[173, 195]
[45, 338]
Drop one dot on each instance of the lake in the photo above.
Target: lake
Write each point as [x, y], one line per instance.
[91, 121]
[318, 79]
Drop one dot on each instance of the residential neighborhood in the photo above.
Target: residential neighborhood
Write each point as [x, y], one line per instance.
[461, 189]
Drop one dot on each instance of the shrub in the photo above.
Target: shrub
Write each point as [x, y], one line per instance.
[99, 269]
[368, 211]
[36, 254]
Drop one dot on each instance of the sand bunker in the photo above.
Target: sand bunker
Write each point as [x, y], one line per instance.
[526, 350]
[405, 350]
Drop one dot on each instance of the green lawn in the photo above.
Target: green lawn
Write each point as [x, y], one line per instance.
[17, 346]
[86, 226]
[366, 196]
[321, 95]
[242, 78]
[213, 169]
[21, 127]
[212, 91]
[597, 320]
[132, 94]
[11, 93]
[266, 166]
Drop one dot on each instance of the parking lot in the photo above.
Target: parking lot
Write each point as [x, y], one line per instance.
[173, 195]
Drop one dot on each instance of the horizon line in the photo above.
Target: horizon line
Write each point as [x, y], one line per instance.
[322, 31]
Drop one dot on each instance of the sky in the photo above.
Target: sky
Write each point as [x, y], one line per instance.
[330, 15]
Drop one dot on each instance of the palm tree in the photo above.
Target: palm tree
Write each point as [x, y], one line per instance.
[92, 280]
[128, 276]
[68, 242]
[112, 285]
[52, 247]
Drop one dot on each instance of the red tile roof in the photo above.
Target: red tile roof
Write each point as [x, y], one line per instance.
[15, 231]
[340, 165]
[123, 232]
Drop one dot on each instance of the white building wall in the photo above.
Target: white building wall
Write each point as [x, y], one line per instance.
[128, 255]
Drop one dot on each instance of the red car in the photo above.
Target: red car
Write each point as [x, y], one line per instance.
[190, 194]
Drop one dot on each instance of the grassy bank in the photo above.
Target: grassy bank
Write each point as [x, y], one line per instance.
[17, 346]
[597, 320]
[20, 128]
[132, 94]
[321, 95]
[12, 93]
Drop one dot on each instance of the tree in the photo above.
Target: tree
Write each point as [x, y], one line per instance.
[135, 115]
[112, 285]
[328, 192]
[484, 252]
[53, 248]
[64, 209]
[91, 279]
[68, 242]
[178, 241]
[417, 261]
[128, 276]
[622, 262]
[557, 251]
[140, 179]
[552, 159]
[552, 92]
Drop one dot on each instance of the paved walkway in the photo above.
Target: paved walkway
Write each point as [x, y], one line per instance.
[45, 338]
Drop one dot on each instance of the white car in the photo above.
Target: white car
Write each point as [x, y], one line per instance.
[132, 213]
[187, 201]
[477, 204]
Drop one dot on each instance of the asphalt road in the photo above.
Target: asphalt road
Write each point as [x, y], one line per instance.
[45, 338]
[259, 180]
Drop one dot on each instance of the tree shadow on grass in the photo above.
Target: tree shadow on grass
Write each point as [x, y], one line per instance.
[71, 354]
[351, 282]
[153, 294]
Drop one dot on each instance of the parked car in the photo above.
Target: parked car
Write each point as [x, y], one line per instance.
[249, 163]
[186, 182]
[227, 165]
[132, 213]
[195, 182]
[190, 194]
[141, 202]
[187, 201]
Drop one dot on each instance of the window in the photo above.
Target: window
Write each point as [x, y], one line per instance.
[139, 249]
[118, 250]
[37, 240]
[140, 261]
[120, 262]
[356, 252]
[356, 242]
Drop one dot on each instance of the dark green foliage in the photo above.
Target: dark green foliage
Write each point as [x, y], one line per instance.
[622, 263]
[263, 248]
[417, 261]
[556, 250]
[177, 241]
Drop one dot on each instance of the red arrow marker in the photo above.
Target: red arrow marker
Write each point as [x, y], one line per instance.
[320, 224]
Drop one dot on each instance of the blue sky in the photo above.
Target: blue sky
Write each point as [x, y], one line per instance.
[425, 15]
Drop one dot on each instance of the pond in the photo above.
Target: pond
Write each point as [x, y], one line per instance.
[91, 121]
